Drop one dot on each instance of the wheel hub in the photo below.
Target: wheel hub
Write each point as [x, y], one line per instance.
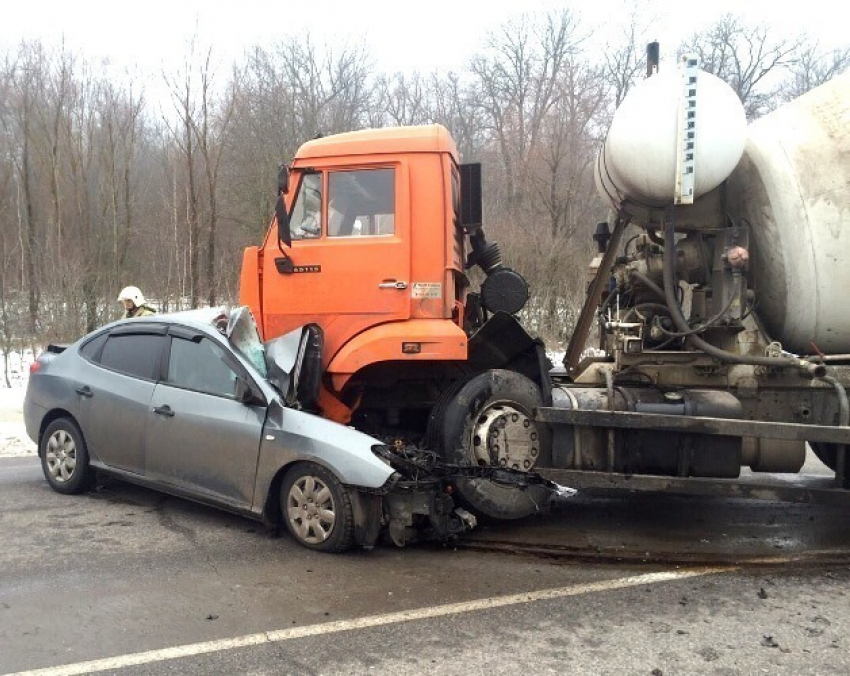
[505, 436]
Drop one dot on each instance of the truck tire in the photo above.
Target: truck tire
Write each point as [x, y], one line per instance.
[828, 455]
[487, 421]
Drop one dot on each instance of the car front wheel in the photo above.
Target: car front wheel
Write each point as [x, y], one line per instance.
[317, 509]
[64, 457]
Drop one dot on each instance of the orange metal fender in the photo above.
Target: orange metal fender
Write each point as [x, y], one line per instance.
[437, 340]
[333, 409]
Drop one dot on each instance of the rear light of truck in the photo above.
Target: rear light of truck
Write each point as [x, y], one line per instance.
[35, 366]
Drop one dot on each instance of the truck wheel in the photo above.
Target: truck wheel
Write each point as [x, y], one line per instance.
[488, 422]
[65, 458]
[828, 455]
[316, 508]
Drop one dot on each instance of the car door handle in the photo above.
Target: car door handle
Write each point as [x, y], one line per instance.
[393, 284]
[84, 391]
[164, 410]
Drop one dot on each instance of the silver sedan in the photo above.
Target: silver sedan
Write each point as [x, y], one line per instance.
[193, 405]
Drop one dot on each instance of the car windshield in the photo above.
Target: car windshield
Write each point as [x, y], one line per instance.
[243, 335]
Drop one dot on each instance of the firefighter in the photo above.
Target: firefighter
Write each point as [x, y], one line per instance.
[134, 303]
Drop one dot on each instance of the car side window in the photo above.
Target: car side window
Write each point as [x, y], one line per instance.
[199, 365]
[136, 354]
[91, 349]
[361, 203]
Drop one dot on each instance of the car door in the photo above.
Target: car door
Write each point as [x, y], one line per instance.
[200, 438]
[115, 387]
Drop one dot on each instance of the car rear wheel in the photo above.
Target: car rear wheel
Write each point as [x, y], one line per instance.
[65, 458]
[317, 509]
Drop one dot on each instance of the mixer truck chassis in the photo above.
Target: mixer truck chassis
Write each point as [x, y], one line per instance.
[723, 336]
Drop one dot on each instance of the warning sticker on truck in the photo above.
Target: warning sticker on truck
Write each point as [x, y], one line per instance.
[427, 290]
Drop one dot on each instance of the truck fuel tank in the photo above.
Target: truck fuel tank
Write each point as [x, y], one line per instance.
[647, 451]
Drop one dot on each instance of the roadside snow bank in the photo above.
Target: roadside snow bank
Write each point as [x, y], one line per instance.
[13, 436]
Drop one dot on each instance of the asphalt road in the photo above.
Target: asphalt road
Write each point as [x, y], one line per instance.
[124, 580]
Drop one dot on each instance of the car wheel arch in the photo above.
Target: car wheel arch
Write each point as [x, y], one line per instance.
[271, 505]
[55, 414]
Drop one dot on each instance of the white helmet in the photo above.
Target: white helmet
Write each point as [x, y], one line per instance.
[133, 294]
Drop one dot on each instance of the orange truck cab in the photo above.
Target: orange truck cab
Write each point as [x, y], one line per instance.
[372, 239]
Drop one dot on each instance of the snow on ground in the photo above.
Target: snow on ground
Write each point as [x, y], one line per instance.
[13, 436]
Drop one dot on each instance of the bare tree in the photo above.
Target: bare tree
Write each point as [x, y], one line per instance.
[262, 133]
[517, 76]
[27, 84]
[404, 99]
[812, 67]
[561, 174]
[330, 87]
[750, 58]
[122, 125]
[8, 269]
[209, 131]
[184, 100]
[625, 58]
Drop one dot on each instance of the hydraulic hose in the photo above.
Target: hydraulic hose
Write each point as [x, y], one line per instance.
[652, 286]
[644, 306]
[648, 283]
[814, 370]
[843, 421]
[843, 404]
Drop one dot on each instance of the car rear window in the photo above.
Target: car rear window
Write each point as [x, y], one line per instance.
[136, 354]
[91, 349]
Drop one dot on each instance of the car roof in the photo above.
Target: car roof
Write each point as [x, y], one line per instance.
[203, 319]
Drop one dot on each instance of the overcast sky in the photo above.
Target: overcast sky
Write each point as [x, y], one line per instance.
[401, 35]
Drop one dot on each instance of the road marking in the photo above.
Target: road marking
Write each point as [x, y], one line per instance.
[192, 649]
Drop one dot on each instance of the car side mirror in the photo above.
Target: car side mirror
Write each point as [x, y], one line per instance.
[245, 394]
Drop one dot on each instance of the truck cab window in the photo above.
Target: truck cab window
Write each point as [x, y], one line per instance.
[361, 203]
[306, 219]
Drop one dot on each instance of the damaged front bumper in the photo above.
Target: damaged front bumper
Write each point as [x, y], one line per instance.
[418, 499]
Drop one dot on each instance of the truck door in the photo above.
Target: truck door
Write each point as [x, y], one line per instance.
[349, 264]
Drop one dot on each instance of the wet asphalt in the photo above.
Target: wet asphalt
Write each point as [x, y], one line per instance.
[123, 570]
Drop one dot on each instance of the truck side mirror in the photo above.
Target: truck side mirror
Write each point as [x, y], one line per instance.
[280, 213]
[282, 179]
[470, 195]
